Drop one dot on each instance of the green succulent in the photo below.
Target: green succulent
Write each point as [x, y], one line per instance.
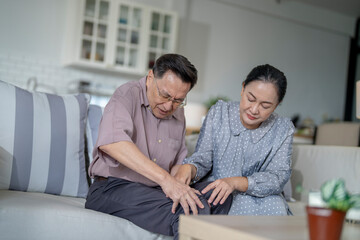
[335, 195]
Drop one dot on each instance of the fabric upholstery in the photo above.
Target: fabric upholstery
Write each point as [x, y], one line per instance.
[313, 165]
[42, 142]
[39, 216]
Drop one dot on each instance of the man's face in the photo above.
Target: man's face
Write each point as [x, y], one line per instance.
[165, 94]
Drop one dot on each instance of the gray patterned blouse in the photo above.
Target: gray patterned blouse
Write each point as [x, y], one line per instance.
[227, 149]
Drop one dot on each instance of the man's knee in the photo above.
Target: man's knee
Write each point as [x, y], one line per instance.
[222, 209]
[214, 209]
[200, 186]
[227, 204]
[207, 209]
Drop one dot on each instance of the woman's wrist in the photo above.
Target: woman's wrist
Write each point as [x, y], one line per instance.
[241, 183]
[193, 170]
[185, 173]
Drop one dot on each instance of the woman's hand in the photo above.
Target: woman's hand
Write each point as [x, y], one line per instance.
[185, 173]
[222, 189]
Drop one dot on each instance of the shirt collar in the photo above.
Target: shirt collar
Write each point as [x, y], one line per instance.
[143, 96]
[234, 117]
[237, 127]
[259, 133]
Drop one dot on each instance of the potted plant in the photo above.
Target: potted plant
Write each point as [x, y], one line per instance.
[213, 100]
[326, 223]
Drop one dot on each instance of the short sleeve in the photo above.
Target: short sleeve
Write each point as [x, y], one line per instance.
[116, 125]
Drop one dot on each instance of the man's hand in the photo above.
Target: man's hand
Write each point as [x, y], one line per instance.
[128, 154]
[183, 194]
[222, 189]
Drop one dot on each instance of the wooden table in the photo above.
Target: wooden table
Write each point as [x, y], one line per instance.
[252, 228]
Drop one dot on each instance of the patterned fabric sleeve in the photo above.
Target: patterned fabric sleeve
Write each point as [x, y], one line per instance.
[202, 157]
[271, 179]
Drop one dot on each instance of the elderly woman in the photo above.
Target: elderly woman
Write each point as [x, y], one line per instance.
[245, 148]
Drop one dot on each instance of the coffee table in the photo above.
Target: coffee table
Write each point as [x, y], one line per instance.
[222, 227]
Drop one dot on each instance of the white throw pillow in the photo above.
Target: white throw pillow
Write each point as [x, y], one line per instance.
[42, 142]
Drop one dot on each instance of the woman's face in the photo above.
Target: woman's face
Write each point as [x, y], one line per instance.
[258, 100]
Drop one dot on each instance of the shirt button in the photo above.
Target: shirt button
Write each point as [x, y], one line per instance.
[154, 159]
[159, 141]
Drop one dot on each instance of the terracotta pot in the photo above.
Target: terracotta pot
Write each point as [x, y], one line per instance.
[325, 223]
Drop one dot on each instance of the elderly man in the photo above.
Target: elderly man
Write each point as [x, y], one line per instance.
[140, 147]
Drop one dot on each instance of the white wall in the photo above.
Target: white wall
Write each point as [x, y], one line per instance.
[224, 39]
[31, 44]
[314, 59]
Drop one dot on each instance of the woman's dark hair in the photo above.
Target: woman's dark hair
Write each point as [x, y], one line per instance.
[179, 65]
[268, 74]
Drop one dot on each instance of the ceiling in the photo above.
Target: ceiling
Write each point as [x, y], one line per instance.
[346, 7]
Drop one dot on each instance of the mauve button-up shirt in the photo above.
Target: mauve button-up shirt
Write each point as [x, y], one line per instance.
[128, 117]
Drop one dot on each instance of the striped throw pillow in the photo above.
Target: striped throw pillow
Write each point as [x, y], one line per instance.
[42, 142]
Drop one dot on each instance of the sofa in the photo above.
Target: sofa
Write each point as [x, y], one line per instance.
[314, 164]
[45, 141]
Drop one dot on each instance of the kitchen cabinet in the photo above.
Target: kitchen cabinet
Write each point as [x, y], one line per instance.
[118, 36]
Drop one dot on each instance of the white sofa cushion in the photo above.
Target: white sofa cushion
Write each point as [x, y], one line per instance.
[42, 142]
[314, 164]
[42, 216]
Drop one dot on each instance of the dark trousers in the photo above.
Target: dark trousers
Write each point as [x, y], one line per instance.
[147, 207]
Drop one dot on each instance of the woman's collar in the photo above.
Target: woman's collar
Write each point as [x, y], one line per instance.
[237, 127]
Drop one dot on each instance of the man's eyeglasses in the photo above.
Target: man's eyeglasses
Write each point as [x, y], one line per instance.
[176, 102]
